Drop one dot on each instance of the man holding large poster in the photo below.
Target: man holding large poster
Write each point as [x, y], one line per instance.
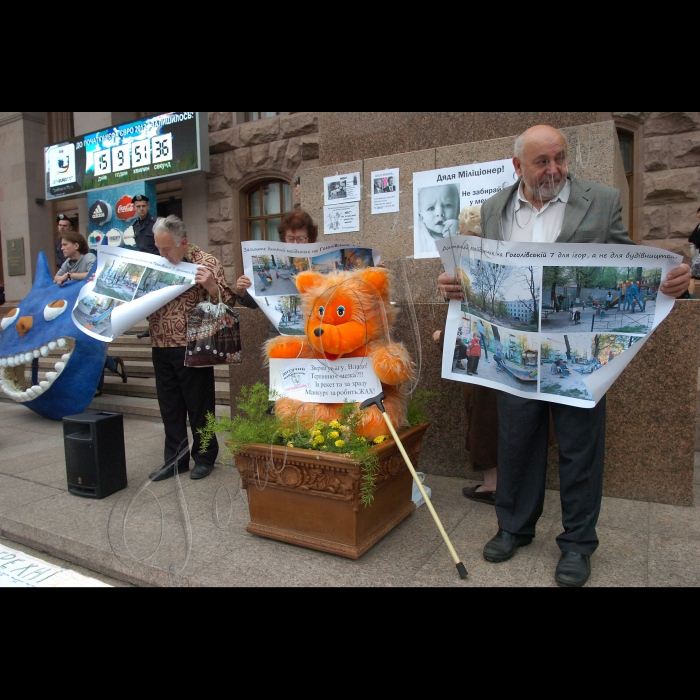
[185, 392]
[547, 205]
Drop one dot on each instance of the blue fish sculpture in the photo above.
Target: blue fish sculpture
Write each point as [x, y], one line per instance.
[42, 322]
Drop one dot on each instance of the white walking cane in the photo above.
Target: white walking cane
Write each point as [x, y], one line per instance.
[377, 401]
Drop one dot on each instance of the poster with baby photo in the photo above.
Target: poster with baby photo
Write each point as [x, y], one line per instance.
[341, 189]
[440, 196]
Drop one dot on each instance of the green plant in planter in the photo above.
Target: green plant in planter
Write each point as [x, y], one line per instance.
[257, 424]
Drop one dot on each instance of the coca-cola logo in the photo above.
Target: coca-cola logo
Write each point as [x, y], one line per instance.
[125, 208]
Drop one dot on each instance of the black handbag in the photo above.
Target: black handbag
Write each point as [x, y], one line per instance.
[213, 336]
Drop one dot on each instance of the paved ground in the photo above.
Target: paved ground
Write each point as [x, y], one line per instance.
[642, 544]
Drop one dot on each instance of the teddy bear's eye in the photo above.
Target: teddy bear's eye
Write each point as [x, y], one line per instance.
[321, 311]
[341, 311]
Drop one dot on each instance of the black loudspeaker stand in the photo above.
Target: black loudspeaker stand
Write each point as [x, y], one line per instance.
[95, 458]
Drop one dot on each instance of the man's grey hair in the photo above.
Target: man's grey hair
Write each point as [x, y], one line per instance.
[172, 225]
[520, 145]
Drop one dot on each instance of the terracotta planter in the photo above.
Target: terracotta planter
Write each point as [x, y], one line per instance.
[312, 499]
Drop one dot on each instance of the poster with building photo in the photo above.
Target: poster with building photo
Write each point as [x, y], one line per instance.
[273, 267]
[556, 322]
[128, 287]
[385, 191]
[341, 189]
[341, 218]
[440, 195]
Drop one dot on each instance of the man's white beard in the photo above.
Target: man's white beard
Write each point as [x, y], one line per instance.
[548, 189]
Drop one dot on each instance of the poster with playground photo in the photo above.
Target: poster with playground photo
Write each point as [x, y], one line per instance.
[273, 269]
[128, 287]
[600, 299]
[531, 324]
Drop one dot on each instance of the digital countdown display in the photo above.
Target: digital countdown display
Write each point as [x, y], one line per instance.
[173, 143]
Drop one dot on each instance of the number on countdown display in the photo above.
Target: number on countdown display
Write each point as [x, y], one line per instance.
[141, 153]
[121, 158]
[162, 148]
[102, 163]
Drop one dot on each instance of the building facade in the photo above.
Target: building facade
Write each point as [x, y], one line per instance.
[257, 158]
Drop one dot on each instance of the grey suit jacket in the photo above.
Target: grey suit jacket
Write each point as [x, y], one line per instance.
[593, 214]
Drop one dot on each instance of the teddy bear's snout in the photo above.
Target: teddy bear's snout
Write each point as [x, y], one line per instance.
[318, 332]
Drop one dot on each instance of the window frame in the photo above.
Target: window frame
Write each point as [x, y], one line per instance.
[264, 218]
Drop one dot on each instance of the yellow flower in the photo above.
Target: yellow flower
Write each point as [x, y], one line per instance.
[340, 443]
[362, 439]
[316, 432]
[380, 438]
[333, 434]
[318, 440]
[334, 424]
[286, 432]
[319, 425]
[325, 447]
[290, 444]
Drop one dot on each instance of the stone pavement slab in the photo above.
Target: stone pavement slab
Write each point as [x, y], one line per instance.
[181, 532]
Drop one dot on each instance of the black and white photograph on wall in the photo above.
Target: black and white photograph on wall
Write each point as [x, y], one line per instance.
[440, 195]
[385, 191]
[341, 189]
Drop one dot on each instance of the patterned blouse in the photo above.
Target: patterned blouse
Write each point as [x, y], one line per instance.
[168, 325]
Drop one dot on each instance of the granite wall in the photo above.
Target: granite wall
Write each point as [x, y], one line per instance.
[346, 136]
[671, 176]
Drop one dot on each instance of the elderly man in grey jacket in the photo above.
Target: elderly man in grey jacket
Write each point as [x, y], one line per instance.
[546, 205]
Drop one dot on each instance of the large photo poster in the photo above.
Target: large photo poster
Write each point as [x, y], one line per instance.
[128, 286]
[439, 197]
[273, 268]
[552, 322]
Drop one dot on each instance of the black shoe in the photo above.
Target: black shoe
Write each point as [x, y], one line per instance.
[145, 334]
[120, 369]
[573, 569]
[502, 547]
[201, 470]
[98, 392]
[472, 494]
[166, 473]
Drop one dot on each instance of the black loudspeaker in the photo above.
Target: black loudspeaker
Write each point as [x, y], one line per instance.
[95, 459]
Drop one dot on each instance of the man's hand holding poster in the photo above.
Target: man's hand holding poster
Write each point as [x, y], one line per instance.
[550, 321]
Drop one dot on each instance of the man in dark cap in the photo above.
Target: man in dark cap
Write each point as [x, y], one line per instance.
[143, 232]
[64, 225]
[143, 225]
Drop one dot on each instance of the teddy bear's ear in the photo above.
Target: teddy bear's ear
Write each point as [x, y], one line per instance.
[307, 280]
[377, 277]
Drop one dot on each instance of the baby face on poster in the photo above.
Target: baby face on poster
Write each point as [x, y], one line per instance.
[438, 210]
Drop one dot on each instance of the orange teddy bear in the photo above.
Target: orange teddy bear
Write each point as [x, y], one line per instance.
[347, 314]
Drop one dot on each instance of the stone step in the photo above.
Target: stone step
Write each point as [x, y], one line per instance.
[146, 388]
[137, 407]
[131, 341]
[144, 368]
[132, 406]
